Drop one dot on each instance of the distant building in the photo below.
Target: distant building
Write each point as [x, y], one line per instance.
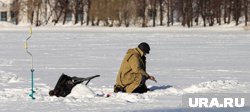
[6, 14]
[17, 11]
[4, 11]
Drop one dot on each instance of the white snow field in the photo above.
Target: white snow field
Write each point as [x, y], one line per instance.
[197, 60]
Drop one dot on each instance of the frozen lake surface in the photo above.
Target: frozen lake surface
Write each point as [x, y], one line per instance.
[183, 61]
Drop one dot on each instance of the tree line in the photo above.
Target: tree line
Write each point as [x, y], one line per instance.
[144, 13]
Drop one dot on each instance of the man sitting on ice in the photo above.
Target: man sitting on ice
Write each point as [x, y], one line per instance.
[132, 75]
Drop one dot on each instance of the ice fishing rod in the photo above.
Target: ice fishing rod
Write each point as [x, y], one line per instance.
[32, 69]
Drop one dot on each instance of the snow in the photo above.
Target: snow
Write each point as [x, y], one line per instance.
[197, 60]
[81, 91]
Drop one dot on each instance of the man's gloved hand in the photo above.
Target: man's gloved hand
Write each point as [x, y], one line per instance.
[152, 78]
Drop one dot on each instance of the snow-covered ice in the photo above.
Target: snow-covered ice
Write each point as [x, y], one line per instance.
[183, 61]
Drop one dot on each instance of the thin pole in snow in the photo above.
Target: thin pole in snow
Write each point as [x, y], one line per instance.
[32, 69]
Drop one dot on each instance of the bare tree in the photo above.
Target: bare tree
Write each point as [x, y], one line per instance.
[218, 10]
[15, 8]
[143, 9]
[58, 11]
[88, 11]
[168, 11]
[65, 5]
[203, 11]
[246, 11]
[237, 10]
[75, 5]
[187, 12]
[37, 7]
[153, 4]
[161, 11]
[225, 10]
[51, 10]
[142, 5]
[128, 12]
[229, 11]
[30, 10]
[125, 12]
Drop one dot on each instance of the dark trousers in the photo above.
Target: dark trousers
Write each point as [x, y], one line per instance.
[142, 88]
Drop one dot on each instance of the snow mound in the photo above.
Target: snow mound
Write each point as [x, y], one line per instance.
[215, 85]
[131, 98]
[203, 87]
[161, 90]
[8, 77]
[4, 62]
[14, 94]
[247, 28]
[6, 24]
[81, 91]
